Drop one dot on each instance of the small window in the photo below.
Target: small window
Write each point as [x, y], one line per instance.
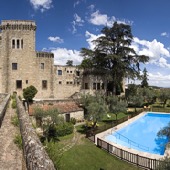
[19, 84]
[98, 86]
[71, 82]
[78, 83]
[22, 43]
[13, 43]
[44, 84]
[60, 82]
[18, 43]
[67, 82]
[86, 86]
[67, 71]
[94, 86]
[70, 71]
[77, 73]
[42, 66]
[60, 72]
[26, 81]
[14, 66]
[102, 85]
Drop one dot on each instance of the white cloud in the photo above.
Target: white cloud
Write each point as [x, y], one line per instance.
[163, 63]
[61, 55]
[41, 4]
[164, 34]
[158, 79]
[76, 22]
[154, 49]
[103, 19]
[56, 39]
[76, 3]
[90, 38]
[91, 7]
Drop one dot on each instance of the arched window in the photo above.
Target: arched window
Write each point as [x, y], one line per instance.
[18, 44]
[13, 43]
[22, 43]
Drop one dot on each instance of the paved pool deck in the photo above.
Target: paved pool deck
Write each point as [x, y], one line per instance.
[141, 153]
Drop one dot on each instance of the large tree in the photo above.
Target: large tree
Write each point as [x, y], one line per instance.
[112, 56]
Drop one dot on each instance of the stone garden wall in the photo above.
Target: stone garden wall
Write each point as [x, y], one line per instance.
[35, 155]
[4, 98]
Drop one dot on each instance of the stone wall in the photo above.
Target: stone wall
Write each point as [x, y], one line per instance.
[34, 153]
[4, 99]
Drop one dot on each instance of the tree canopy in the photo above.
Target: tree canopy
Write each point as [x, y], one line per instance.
[113, 56]
[29, 93]
[144, 82]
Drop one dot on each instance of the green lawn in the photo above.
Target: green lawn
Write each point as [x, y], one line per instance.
[86, 156]
[113, 116]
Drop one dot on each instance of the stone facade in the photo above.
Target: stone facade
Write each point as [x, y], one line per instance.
[21, 66]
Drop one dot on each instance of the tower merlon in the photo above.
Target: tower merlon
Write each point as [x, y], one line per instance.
[17, 25]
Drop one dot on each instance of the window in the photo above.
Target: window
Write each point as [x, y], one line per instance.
[71, 82]
[70, 71]
[13, 43]
[98, 86]
[22, 43]
[102, 85]
[18, 43]
[42, 66]
[26, 81]
[60, 82]
[67, 71]
[86, 86]
[77, 73]
[19, 84]
[59, 72]
[94, 86]
[78, 83]
[14, 66]
[44, 84]
[67, 82]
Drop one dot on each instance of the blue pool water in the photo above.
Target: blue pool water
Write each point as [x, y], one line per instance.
[142, 134]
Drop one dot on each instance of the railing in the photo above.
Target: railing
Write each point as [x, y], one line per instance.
[136, 159]
[130, 142]
[157, 109]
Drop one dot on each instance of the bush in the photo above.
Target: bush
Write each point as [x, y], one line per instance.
[64, 129]
[73, 120]
[14, 104]
[15, 121]
[18, 141]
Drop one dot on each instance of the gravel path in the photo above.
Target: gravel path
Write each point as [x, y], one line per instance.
[10, 155]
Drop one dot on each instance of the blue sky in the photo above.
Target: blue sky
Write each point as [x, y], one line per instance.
[65, 26]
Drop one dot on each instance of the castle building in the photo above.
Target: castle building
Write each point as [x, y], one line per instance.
[21, 66]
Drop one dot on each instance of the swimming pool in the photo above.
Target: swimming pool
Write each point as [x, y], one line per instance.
[142, 134]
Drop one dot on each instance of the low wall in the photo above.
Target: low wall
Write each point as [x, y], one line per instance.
[4, 98]
[35, 155]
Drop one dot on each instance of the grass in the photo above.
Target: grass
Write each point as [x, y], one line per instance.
[87, 156]
[113, 116]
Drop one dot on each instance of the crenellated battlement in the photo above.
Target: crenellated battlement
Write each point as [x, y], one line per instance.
[44, 54]
[18, 25]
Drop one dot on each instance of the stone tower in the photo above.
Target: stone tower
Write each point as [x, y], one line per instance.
[17, 52]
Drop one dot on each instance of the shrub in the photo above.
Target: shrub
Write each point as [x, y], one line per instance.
[14, 104]
[15, 121]
[54, 153]
[64, 129]
[73, 120]
[18, 141]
